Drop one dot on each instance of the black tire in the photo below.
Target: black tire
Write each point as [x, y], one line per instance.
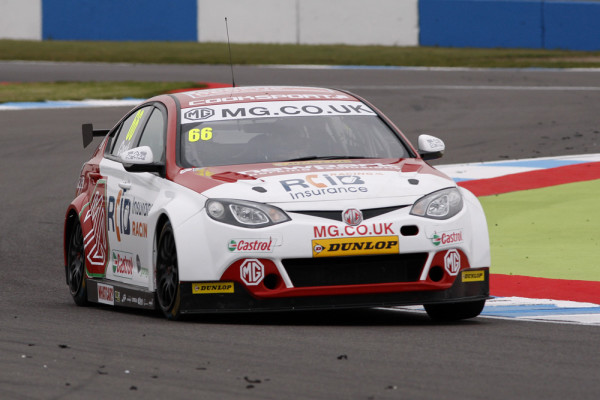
[168, 293]
[75, 270]
[447, 312]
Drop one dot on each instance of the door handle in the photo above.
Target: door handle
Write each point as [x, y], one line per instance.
[125, 185]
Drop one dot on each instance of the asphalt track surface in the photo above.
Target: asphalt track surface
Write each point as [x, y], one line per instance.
[51, 349]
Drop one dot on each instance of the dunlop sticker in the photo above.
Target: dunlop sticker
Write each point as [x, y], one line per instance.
[211, 288]
[355, 246]
[473, 276]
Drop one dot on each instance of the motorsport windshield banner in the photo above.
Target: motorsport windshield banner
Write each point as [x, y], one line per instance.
[238, 111]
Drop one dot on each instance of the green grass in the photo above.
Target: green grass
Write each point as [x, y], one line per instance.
[216, 53]
[550, 232]
[249, 54]
[41, 91]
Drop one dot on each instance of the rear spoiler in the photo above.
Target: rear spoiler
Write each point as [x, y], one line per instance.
[88, 132]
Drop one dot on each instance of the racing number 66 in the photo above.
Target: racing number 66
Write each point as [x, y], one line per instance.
[197, 134]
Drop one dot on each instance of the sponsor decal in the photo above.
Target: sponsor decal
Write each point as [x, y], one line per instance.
[199, 113]
[143, 272]
[251, 245]
[134, 298]
[119, 211]
[273, 109]
[122, 264]
[134, 155]
[106, 294]
[355, 246]
[95, 241]
[252, 272]
[310, 162]
[299, 167]
[452, 262]
[126, 144]
[322, 184]
[197, 171]
[331, 231]
[80, 183]
[214, 287]
[448, 237]
[202, 93]
[352, 216]
[134, 124]
[233, 99]
[473, 276]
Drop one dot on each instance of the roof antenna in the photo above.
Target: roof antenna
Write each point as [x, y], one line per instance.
[229, 46]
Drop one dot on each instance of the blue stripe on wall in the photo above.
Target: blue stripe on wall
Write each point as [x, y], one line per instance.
[551, 24]
[573, 25]
[480, 23]
[120, 20]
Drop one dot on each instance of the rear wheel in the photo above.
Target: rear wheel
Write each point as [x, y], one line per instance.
[454, 311]
[76, 265]
[168, 294]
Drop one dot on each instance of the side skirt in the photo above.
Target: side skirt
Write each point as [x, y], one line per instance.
[113, 293]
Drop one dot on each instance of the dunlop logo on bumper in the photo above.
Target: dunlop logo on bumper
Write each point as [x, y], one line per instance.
[355, 246]
[473, 276]
[216, 287]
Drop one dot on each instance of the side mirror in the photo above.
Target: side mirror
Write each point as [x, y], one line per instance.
[430, 147]
[138, 155]
[140, 159]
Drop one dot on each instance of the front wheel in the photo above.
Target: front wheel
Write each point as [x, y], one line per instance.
[447, 312]
[76, 265]
[168, 294]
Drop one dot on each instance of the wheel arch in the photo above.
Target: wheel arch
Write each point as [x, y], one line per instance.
[70, 220]
[160, 222]
[480, 242]
[162, 219]
[71, 216]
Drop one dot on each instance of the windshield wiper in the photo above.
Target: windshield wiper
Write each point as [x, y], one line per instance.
[307, 158]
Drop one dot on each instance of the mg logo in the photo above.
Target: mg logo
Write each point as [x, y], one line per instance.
[252, 272]
[199, 113]
[352, 216]
[452, 262]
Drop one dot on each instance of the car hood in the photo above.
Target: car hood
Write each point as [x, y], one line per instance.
[309, 185]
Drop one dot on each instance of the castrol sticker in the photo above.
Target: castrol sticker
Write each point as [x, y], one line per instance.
[251, 245]
[447, 238]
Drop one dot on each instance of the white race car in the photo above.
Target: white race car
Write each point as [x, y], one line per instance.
[267, 199]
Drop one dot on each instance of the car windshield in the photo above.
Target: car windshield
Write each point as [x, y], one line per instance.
[289, 138]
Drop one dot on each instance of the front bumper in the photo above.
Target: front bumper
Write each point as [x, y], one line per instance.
[471, 284]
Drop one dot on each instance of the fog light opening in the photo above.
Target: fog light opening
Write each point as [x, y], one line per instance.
[409, 230]
[271, 281]
[436, 273]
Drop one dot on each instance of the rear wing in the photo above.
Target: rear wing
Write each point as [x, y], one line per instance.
[88, 132]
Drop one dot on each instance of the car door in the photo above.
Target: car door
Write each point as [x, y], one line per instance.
[130, 196]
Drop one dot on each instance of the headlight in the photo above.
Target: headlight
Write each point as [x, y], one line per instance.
[442, 204]
[245, 213]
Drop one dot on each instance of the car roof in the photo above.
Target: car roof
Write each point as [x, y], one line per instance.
[249, 94]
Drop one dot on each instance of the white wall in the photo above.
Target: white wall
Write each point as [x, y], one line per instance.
[361, 22]
[383, 22]
[250, 21]
[21, 19]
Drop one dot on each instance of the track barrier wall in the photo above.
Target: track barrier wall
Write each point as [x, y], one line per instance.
[537, 24]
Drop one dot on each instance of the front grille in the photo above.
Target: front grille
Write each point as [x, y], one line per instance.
[337, 214]
[357, 270]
